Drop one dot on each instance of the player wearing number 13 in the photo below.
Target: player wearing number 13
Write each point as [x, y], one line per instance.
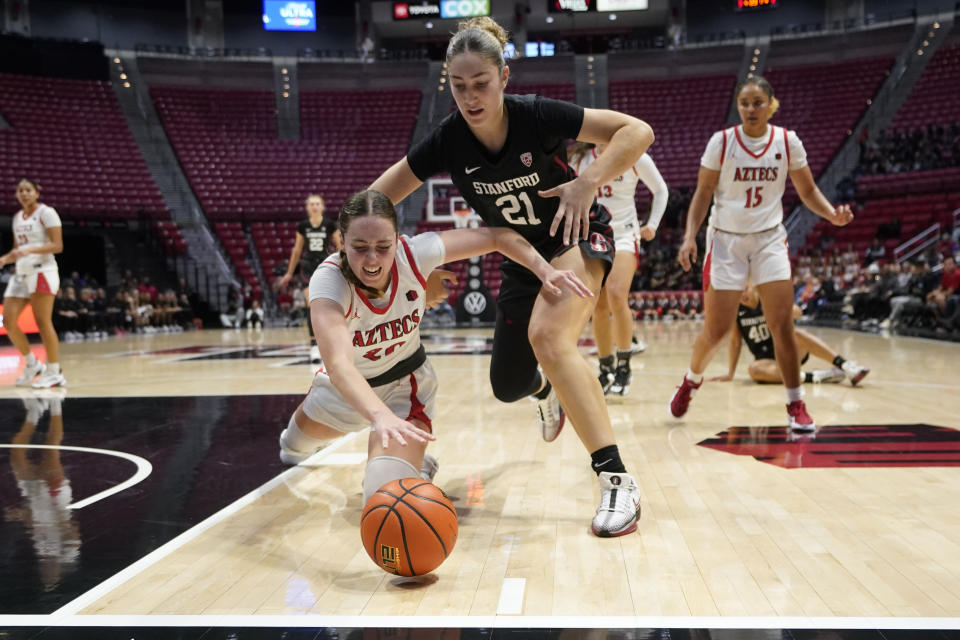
[744, 169]
[507, 156]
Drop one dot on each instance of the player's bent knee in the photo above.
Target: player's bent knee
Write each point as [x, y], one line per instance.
[383, 469]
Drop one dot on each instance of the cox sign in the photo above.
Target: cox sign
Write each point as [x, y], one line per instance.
[464, 8]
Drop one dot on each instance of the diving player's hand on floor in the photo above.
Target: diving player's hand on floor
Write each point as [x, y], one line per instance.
[392, 427]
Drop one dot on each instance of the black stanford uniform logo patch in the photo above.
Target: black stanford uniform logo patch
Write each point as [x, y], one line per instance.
[411, 295]
[844, 446]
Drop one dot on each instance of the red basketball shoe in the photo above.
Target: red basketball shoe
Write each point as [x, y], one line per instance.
[680, 401]
[798, 418]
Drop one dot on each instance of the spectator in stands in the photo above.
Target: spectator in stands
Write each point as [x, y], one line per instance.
[949, 285]
[876, 251]
[871, 301]
[66, 314]
[315, 237]
[807, 293]
[538, 195]
[947, 245]
[37, 237]
[744, 171]
[612, 320]
[253, 317]
[148, 288]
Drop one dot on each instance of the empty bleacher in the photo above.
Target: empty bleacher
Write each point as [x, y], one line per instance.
[71, 137]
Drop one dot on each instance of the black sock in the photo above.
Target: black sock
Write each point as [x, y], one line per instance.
[623, 358]
[543, 393]
[808, 376]
[607, 459]
[606, 363]
[838, 362]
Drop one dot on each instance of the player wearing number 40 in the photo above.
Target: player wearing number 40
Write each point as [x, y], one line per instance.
[744, 171]
[506, 154]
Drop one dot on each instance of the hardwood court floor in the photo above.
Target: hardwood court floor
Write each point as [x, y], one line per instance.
[792, 529]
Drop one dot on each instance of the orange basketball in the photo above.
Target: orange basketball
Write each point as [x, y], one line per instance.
[408, 527]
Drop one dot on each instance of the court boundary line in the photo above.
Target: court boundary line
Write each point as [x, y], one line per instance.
[501, 621]
[144, 469]
[95, 593]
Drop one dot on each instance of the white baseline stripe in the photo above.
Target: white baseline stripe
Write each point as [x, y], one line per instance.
[501, 622]
[144, 468]
[511, 596]
[111, 583]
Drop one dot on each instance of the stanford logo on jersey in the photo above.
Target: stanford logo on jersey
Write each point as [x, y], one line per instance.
[526, 159]
[598, 242]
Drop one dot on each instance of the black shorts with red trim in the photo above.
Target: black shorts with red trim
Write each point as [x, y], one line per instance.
[519, 282]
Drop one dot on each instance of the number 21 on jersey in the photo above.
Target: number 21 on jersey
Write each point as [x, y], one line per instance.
[510, 205]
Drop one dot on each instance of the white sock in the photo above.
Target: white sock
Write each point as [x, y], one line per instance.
[53, 368]
[695, 378]
[55, 408]
[794, 394]
[30, 358]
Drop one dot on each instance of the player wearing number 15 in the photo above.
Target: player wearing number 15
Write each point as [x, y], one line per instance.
[744, 169]
[507, 156]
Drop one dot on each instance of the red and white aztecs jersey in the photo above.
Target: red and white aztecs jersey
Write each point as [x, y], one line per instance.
[384, 330]
[31, 231]
[619, 195]
[753, 175]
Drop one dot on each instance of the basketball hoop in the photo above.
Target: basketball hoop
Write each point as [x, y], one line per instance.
[461, 218]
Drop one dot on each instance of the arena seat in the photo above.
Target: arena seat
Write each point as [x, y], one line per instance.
[71, 137]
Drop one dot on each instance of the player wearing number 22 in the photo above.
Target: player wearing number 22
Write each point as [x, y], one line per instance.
[506, 154]
[744, 169]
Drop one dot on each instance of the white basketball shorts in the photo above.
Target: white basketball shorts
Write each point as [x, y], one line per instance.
[24, 285]
[734, 260]
[626, 237]
[411, 397]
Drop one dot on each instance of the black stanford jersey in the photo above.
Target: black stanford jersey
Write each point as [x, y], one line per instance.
[753, 327]
[502, 188]
[316, 243]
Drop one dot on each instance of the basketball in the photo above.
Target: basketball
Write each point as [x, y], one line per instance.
[408, 527]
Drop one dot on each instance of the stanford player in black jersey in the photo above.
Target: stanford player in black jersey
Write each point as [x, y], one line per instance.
[507, 156]
[315, 237]
[751, 327]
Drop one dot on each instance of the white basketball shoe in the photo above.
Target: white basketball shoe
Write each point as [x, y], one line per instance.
[50, 380]
[30, 372]
[550, 416]
[619, 507]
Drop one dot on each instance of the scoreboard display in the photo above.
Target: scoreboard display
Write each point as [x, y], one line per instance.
[751, 5]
